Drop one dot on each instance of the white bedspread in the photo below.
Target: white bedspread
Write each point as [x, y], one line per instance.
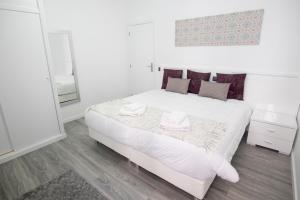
[176, 154]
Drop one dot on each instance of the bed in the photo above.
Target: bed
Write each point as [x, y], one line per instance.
[182, 162]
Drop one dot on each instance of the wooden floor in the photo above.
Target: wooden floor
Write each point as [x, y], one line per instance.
[264, 174]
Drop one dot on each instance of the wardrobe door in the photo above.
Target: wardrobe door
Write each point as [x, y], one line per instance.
[25, 89]
[5, 145]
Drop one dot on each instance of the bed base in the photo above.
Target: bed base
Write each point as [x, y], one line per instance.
[191, 185]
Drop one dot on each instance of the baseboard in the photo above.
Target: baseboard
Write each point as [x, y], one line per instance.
[14, 154]
[74, 117]
[294, 177]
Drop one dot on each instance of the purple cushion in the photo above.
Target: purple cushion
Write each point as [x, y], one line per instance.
[236, 90]
[170, 73]
[196, 78]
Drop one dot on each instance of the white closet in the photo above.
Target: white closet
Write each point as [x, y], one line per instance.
[5, 146]
[29, 115]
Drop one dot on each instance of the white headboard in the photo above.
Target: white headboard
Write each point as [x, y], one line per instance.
[274, 91]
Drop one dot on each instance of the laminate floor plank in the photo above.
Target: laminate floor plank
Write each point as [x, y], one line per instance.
[264, 174]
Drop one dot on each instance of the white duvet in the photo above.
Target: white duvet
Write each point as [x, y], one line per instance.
[181, 156]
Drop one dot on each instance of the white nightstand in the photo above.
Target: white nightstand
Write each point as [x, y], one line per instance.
[272, 130]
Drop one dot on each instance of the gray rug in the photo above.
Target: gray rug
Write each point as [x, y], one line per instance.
[69, 186]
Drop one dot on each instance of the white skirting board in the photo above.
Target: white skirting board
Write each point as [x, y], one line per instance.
[14, 154]
[294, 177]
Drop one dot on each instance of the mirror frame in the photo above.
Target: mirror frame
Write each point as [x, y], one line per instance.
[74, 67]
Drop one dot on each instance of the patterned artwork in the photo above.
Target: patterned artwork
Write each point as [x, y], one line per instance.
[242, 28]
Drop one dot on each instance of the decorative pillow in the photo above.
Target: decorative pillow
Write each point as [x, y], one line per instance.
[196, 78]
[178, 85]
[236, 90]
[170, 73]
[214, 90]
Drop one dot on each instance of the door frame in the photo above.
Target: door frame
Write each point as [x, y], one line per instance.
[50, 66]
[154, 50]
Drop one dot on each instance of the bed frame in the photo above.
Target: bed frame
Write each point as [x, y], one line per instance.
[192, 186]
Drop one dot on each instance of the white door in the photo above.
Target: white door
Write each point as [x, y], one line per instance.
[141, 58]
[25, 89]
[5, 145]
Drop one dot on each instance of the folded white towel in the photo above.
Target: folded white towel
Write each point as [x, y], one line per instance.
[173, 122]
[175, 117]
[132, 109]
[134, 106]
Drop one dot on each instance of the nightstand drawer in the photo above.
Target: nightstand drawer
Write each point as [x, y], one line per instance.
[272, 131]
[273, 143]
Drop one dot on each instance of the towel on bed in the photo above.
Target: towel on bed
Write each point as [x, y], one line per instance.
[133, 109]
[175, 121]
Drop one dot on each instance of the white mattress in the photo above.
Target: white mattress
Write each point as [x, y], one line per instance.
[180, 156]
[65, 84]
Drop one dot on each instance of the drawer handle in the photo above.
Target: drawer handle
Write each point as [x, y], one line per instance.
[268, 142]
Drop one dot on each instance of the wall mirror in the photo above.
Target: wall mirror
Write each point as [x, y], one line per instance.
[64, 67]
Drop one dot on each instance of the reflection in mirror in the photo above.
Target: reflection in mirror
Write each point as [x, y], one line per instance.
[64, 68]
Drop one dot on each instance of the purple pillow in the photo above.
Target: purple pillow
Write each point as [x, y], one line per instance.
[173, 73]
[196, 78]
[236, 90]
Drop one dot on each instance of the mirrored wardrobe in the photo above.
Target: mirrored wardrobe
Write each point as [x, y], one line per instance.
[64, 67]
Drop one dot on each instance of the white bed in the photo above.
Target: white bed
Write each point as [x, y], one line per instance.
[179, 163]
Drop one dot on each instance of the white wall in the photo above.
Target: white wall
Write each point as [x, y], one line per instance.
[100, 37]
[277, 53]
